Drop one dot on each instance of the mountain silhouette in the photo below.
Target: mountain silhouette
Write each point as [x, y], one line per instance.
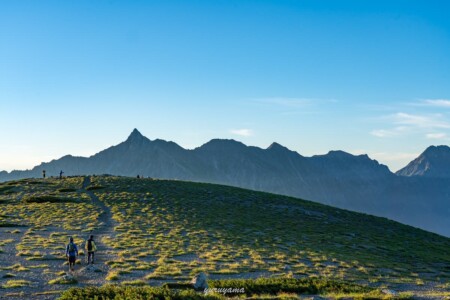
[417, 195]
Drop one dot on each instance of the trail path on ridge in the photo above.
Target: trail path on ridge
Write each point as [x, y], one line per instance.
[105, 229]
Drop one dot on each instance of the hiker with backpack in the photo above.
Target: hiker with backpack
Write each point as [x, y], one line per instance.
[71, 253]
[90, 249]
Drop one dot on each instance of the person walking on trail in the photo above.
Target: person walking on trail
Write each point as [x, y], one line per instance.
[71, 253]
[90, 249]
[43, 174]
[60, 174]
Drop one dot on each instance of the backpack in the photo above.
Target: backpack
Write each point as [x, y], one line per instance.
[71, 247]
[89, 246]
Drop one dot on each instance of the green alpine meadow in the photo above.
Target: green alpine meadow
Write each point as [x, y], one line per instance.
[154, 236]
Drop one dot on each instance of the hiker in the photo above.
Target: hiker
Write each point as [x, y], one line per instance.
[43, 174]
[138, 177]
[71, 253]
[90, 249]
[60, 174]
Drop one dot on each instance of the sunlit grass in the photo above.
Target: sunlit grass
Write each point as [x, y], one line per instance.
[173, 230]
[15, 284]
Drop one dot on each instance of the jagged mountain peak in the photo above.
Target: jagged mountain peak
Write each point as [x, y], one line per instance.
[338, 154]
[437, 151]
[223, 143]
[433, 162]
[276, 146]
[278, 149]
[346, 164]
[135, 133]
[342, 155]
[136, 136]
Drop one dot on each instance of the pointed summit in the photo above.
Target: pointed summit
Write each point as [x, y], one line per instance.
[135, 136]
[135, 132]
[275, 146]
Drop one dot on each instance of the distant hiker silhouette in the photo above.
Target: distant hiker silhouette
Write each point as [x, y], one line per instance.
[90, 248]
[138, 177]
[71, 253]
[43, 174]
[60, 174]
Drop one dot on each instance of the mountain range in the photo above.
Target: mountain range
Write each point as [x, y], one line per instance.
[417, 195]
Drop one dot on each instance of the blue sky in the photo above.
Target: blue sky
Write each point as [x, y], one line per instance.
[361, 76]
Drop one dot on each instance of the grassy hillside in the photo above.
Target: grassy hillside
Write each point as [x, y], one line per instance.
[154, 231]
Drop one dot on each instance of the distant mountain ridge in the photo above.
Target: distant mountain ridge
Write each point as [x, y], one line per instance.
[417, 195]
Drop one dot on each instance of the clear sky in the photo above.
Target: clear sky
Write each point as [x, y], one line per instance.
[360, 76]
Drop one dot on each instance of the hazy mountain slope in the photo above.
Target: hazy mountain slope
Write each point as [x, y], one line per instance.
[139, 155]
[336, 178]
[275, 169]
[354, 177]
[418, 200]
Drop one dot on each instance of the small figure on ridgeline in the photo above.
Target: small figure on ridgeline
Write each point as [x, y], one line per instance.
[71, 254]
[138, 177]
[43, 174]
[61, 174]
[90, 249]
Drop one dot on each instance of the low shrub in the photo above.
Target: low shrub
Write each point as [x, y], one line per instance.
[136, 282]
[274, 286]
[65, 279]
[4, 189]
[47, 198]
[10, 225]
[251, 287]
[95, 187]
[133, 292]
[66, 190]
